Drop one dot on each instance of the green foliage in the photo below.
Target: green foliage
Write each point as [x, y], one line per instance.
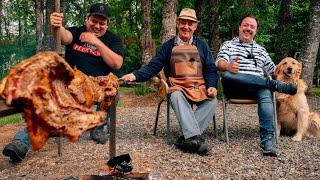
[124, 89]
[316, 90]
[156, 19]
[293, 39]
[142, 89]
[11, 119]
[219, 91]
[185, 4]
[19, 41]
[13, 51]
[132, 60]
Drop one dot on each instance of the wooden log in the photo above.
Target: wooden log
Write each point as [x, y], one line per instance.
[6, 110]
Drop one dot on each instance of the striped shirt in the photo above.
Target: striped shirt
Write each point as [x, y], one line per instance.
[253, 58]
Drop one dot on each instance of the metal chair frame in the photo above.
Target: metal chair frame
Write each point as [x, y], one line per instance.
[227, 101]
[166, 98]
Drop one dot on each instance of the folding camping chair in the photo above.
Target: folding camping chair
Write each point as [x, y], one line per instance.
[232, 100]
[164, 95]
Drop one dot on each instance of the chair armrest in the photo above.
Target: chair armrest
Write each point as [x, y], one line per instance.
[163, 89]
[242, 101]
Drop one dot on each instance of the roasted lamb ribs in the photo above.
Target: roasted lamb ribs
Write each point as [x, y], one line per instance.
[56, 99]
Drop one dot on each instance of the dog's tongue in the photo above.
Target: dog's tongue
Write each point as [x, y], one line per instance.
[288, 74]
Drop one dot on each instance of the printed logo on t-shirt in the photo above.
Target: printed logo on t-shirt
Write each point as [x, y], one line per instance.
[87, 48]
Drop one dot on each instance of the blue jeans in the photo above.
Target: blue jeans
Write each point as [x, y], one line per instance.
[254, 87]
[22, 136]
[191, 122]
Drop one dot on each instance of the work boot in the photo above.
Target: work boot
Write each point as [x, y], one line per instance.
[15, 150]
[281, 87]
[268, 148]
[188, 145]
[100, 136]
[204, 148]
[193, 144]
[179, 141]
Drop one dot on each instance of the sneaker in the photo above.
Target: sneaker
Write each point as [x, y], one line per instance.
[100, 136]
[281, 87]
[269, 149]
[15, 150]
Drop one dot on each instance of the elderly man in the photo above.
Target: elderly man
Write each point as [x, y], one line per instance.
[192, 74]
[93, 50]
[245, 65]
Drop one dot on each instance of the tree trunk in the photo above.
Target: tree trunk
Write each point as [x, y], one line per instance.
[214, 38]
[200, 6]
[48, 43]
[169, 19]
[1, 15]
[146, 36]
[284, 22]
[39, 20]
[309, 55]
[20, 32]
[6, 27]
[63, 4]
[318, 76]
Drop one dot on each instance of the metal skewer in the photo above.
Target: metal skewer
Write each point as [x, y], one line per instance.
[58, 50]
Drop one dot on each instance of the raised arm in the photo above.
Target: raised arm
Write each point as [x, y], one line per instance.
[56, 22]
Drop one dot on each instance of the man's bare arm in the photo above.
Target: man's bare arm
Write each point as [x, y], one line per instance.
[232, 67]
[56, 22]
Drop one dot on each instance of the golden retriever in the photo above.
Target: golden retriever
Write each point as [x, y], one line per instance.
[294, 117]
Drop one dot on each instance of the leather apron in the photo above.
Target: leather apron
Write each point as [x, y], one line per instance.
[186, 73]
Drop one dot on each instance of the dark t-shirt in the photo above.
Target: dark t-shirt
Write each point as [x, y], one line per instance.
[86, 58]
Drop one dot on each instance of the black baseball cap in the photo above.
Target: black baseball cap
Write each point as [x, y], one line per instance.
[99, 9]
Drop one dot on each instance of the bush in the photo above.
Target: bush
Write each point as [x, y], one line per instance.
[132, 60]
[13, 51]
[142, 89]
[316, 90]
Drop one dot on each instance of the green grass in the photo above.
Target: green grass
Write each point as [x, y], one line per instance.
[11, 119]
[126, 89]
[143, 89]
[316, 90]
[138, 89]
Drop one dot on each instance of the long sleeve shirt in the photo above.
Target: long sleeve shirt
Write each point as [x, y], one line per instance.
[163, 57]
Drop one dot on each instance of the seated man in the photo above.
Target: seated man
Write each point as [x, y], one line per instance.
[188, 63]
[245, 64]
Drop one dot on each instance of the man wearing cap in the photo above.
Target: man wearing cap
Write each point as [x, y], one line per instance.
[90, 48]
[192, 77]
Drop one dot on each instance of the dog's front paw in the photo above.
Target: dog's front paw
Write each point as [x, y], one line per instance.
[297, 138]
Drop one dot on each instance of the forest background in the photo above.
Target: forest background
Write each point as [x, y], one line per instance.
[287, 27]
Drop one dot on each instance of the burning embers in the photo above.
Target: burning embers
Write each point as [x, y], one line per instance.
[56, 99]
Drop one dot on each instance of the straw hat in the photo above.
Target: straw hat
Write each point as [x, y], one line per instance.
[189, 14]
